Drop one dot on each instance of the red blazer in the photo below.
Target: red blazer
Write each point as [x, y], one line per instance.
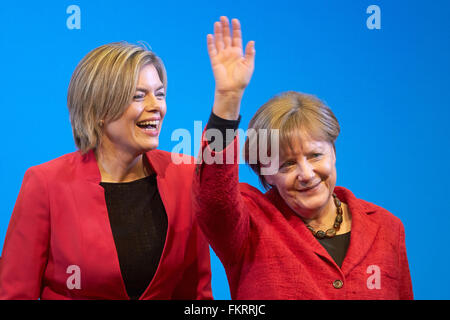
[59, 243]
[268, 253]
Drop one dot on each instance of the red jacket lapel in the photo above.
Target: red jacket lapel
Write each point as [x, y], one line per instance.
[364, 229]
[297, 223]
[95, 229]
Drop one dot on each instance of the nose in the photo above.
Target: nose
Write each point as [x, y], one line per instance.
[305, 172]
[152, 104]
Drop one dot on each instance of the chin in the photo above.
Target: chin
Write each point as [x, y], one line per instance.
[148, 147]
[312, 203]
[151, 144]
[152, 147]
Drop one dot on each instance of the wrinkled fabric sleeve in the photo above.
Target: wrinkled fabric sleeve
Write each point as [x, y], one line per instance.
[218, 203]
[25, 250]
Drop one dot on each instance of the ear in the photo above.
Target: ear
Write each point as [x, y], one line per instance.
[269, 179]
[268, 171]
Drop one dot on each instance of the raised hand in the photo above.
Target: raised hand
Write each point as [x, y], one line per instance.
[231, 67]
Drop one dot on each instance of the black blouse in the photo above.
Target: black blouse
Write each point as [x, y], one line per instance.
[337, 246]
[139, 226]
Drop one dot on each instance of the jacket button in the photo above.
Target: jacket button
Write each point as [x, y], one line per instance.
[337, 284]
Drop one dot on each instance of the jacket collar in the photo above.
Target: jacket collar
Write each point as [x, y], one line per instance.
[364, 228]
[93, 194]
[88, 167]
[296, 222]
[363, 232]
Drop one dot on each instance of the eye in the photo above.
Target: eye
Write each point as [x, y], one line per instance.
[287, 164]
[160, 95]
[316, 155]
[139, 96]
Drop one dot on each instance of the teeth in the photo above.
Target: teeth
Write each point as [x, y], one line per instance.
[149, 123]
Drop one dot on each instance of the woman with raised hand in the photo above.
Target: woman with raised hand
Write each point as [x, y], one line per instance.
[305, 238]
[114, 219]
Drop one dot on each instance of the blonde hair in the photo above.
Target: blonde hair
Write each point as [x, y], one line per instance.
[103, 85]
[291, 113]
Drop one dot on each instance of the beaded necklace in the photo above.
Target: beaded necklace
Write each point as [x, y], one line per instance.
[330, 233]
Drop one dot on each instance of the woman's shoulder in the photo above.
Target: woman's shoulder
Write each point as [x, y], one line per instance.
[259, 198]
[249, 189]
[60, 163]
[58, 169]
[357, 205]
[163, 160]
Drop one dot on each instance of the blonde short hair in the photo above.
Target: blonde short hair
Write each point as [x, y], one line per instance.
[103, 85]
[291, 113]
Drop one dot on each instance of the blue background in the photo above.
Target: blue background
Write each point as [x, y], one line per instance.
[389, 88]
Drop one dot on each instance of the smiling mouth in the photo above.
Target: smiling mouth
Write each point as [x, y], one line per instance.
[309, 188]
[148, 125]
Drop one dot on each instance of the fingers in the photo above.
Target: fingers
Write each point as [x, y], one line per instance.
[218, 36]
[237, 33]
[226, 31]
[250, 52]
[211, 46]
[224, 37]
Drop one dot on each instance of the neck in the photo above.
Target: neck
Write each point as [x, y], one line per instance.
[323, 217]
[117, 166]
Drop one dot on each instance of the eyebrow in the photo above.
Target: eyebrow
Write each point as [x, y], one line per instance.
[146, 91]
[310, 150]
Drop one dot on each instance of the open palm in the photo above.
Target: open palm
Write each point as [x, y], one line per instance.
[231, 67]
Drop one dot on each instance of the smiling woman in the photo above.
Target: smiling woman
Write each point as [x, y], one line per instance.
[103, 85]
[136, 131]
[107, 222]
[306, 176]
[143, 117]
[305, 238]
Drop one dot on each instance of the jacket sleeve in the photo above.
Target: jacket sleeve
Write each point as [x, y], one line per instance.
[218, 203]
[406, 292]
[195, 282]
[25, 250]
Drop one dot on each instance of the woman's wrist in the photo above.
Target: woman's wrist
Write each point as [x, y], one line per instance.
[227, 104]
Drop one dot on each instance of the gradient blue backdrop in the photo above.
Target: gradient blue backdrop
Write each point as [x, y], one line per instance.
[389, 89]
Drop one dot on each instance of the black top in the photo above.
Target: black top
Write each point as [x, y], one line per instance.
[222, 125]
[336, 246]
[139, 226]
